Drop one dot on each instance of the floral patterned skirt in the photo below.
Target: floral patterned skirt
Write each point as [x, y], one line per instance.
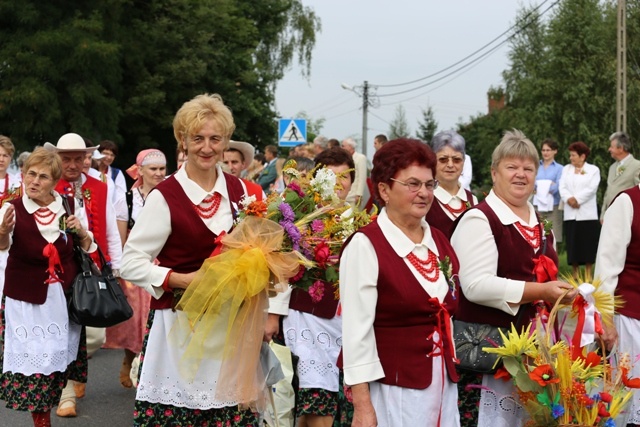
[469, 398]
[158, 414]
[317, 401]
[151, 414]
[38, 392]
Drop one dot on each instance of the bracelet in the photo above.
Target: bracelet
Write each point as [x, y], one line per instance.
[165, 284]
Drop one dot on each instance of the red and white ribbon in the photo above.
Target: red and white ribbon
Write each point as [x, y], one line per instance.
[589, 319]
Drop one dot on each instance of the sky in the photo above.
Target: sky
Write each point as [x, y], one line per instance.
[391, 42]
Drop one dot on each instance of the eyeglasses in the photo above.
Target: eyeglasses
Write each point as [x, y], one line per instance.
[414, 185]
[41, 177]
[445, 160]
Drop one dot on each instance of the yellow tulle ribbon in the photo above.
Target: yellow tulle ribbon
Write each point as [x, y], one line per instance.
[229, 293]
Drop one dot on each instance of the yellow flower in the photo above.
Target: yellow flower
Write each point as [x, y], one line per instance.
[515, 344]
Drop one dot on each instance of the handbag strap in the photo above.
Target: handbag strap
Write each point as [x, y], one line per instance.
[86, 263]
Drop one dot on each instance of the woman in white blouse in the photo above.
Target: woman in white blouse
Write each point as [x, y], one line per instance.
[175, 233]
[39, 342]
[496, 243]
[398, 354]
[578, 187]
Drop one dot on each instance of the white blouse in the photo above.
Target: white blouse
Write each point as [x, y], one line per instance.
[359, 295]
[153, 228]
[477, 252]
[455, 201]
[614, 241]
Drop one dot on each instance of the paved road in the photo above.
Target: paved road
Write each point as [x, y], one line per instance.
[107, 403]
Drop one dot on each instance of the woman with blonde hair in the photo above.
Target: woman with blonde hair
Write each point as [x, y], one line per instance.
[175, 233]
[496, 243]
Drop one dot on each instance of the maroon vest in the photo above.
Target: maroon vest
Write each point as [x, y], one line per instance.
[406, 315]
[438, 218]
[629, 278]
[26, 271]
[190, 242]
[515, 261]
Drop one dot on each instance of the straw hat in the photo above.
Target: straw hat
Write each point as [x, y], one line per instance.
[70, 142]
[245, 148]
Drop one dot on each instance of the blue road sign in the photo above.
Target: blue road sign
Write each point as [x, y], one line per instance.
[292, 132]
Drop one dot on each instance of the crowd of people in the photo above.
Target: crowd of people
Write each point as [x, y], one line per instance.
[383, 354]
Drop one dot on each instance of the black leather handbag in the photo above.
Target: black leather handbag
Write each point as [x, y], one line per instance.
[96, 298]
[470, 339]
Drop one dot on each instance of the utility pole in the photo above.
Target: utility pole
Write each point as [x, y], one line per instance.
[365, 113]
[621, 83]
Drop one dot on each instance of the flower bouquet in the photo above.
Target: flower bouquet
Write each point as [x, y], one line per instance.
[559, 382]
[315, 224]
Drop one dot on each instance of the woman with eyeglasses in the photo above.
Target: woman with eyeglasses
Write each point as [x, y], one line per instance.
[398, 297]
[498, 243]
[451, 199]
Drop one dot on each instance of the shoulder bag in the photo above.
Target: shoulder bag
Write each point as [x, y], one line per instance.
[96, 298]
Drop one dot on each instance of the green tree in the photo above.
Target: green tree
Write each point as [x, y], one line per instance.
[119, 69]
[399, 127]
[428, 126]
[561, 80]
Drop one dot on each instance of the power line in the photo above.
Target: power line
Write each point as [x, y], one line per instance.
[378, 117]
[334, 106]
[468, 56]
[437, 87]
[342, 114]
[469, 64]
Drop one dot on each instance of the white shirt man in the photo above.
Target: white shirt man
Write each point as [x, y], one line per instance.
[354, 198]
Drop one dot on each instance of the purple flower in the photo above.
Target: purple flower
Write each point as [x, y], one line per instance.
[293, 233]
[317, 226]
[287, 213]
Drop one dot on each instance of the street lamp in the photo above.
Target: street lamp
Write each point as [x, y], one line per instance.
[362, 91]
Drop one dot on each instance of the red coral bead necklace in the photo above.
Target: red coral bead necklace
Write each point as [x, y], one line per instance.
[530, 234]
[209, 206]
[44, 216]
[428, 268]
[453, 211]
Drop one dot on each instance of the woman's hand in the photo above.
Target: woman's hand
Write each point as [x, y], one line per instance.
[555, 289]
[74, 224]
[181, 280]
[8, 221]
[610, 336]
[364, 416]
[573, 202]
[84, 238]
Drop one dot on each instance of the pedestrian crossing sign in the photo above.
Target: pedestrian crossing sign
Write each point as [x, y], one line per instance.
[292, 132]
